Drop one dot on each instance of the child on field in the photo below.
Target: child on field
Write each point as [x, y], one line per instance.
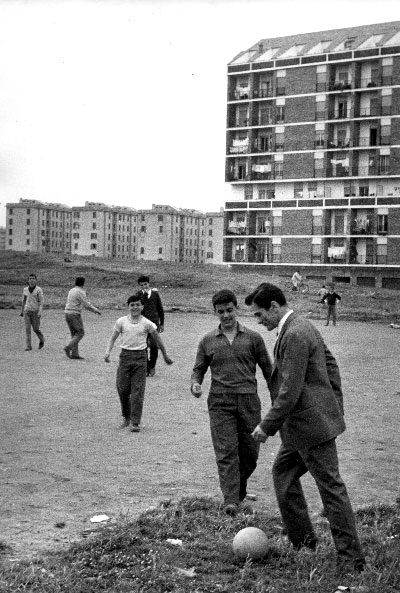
[134, 330]
[331, 299]
[232, 352]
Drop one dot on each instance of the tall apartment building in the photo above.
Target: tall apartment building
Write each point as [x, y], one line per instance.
[162, 233]
[313, 155]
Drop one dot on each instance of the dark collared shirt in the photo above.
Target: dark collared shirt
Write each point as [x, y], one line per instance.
[233, 366]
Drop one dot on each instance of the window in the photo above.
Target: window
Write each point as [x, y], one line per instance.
[11, 211]
[280, 113]
[75, 236]
[94, 226]
[384, 164]
[210, 232]
[160, 229]
[143, 217]
[28, 210]
[312, 189]
[141, 250]
[320, 109]
[278, 170]
[262, 194]
[319, 138]
[160, 250]
[93, 246]
[363, 190]
[10, 231]
[10, 241]
[317, 223]
[93, 235]
[28, 242]
[28, 221]
[382, 224]
[160, 218]
[386, 104]
[276, 252]
[142, 229]
[316, 253]
[94, 214]
[349, 190]
[28, 231]
[270, 194]
[248, 194]
[75, 245]
[10, 221]
[298, 189]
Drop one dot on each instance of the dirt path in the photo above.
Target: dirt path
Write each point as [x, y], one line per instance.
[64, 459]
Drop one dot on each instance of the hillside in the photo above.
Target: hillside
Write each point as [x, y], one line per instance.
[183, 287]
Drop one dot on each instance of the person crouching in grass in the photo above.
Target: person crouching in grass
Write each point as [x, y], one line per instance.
[134, 330]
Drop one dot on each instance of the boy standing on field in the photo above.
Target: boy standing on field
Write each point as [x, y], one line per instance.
[232, 351]
[31, 311]
[76, 301]
[134, 330]
[153, 310]
[331, 298]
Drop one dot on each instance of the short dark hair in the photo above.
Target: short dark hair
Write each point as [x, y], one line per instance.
[135, 297]
[32, 276]
[264, 294]
[143, 278]
[224, 296]
[80, 281]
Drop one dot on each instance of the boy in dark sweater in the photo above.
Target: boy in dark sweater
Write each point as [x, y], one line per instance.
[331, 299]
[153, 310]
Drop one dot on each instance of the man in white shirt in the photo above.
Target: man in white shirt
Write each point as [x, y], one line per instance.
[134, 329]
[76, 301]
[31, 311]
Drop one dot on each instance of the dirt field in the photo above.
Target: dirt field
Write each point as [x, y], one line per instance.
[64, 459]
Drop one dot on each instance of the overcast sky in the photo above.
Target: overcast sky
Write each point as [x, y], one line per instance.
[124, 102]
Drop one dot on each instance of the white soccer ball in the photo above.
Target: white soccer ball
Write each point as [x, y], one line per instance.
[250, 542]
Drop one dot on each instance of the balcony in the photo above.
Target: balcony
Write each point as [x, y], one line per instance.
[371, 111]
[340, 85]
[361, 227]
[262, 93]
[236, 228]
[239, 95]
[366, 171]
[341, 113]
[369, 82]
[240, 123]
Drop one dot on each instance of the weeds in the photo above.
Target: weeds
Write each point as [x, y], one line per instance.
[135, 557]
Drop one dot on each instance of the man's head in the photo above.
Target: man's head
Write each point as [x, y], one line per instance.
[80, 281]
[331, 288]
[32, 280]
[268, 304]
[144, 282]
[225, 308]
[135, 303]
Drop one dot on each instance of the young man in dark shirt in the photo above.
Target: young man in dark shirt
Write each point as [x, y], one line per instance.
[232, 352]
[331, 298]
[154, 311]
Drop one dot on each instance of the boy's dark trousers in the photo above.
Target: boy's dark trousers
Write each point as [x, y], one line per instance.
[233, 417]
[331, 312]
[153, 352]
[131, 383]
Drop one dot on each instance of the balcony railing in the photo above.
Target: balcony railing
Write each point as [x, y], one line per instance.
[370, 111]
[340, 86]
[239, 149]
[366, 171]
[368, 82]
[364, 227]
[239, 95]
[341, 113]
[262, 93]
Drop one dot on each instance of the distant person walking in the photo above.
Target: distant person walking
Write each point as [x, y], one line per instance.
[134, 330]
[331, 299]
[31, 311]
[76, 301]
[153, 310]
[323, 291]
[296, 280]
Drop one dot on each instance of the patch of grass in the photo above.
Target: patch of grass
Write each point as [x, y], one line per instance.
[135, 556]
[182, 287]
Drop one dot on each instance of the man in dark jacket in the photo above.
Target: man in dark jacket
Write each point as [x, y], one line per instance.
[153, 310]
[307, 410]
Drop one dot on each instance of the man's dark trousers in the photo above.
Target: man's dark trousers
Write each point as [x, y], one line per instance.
[131, 383]
[322, 463]
[153, 352]
[233, 417]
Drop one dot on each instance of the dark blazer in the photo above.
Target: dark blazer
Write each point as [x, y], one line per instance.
[305, 386]
[153, 309]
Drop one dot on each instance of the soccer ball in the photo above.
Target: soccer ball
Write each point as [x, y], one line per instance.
[250, 542]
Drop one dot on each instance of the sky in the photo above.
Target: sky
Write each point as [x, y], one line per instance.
[124, 101]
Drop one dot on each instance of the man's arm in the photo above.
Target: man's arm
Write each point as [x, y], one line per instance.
[161, 346]
[262, 359]
[40, 299]
[199, 370]
[111, 343]
[89, 305]
[334, 377]
[160, 311]
[23, 305]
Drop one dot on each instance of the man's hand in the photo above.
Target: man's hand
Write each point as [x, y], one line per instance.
[168, 360]
[259, 435]
[21, 314]
[160, 329]
[196, 389]
[107, 358]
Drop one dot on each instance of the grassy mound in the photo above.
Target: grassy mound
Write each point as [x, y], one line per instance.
[136, 556]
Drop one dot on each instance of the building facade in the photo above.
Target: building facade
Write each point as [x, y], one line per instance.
[95, 229]
[313, 155]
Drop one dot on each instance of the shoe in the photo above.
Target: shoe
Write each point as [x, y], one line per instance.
[135, 428]
[41, 344]
[124, 423]
[28, 348]
[152, 372]
[246, 508]
[231, 509]
[67, 352]
[77, 357]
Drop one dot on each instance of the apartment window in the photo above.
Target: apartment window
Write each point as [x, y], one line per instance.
[279, 138]
[276, 252]
[349, 190]
[382, 224]
[262, 194]
[142, 251]
[10, 241]
[316, 252]
[385, 132]
[276, 222]
[93, 246]
[28, 242]
[76, 214]
[75, 245]
[384, 164]
[318, 166]
[381, 251]
[280, 113]
[142, 217]
[387, 71]
[43, 233]
[94, 226]
[386, 108]
[28, 210]
[94, 214]
[210, 220]
[28, 232]
[10, 221]
[93, 235]
[160, 218]
[320, 106]
[160, 229]
[248, 193]
[210, 232]
[278, 170]
[312, 189]
[10, 231]
[210, 243]
[298, 190]
[75, 236]
[160, 250]
[280, 82]
[142, 229]
[270, 194]
[363, 190]
[10, 211]
[317, 222]
[28, 221]
[319, 138]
